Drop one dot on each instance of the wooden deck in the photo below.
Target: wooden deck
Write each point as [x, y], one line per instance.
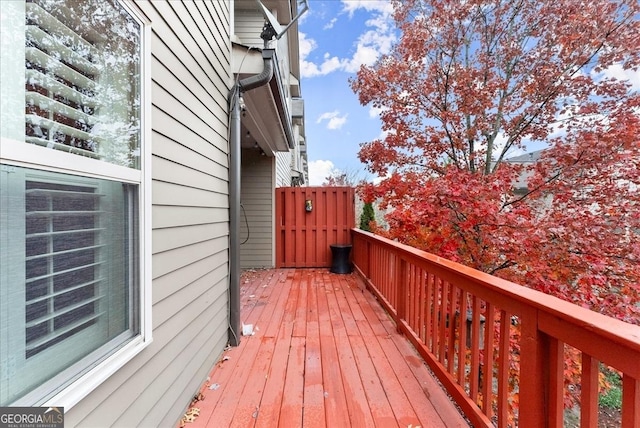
[323, 354]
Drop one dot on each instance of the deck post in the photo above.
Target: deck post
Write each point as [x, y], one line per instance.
[401, 289]
[553, 366]
[630, 402]
[533, 389]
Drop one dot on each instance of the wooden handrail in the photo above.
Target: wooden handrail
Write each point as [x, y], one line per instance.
[450, 312]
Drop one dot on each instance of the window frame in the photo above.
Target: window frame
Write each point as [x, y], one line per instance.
[21, 154]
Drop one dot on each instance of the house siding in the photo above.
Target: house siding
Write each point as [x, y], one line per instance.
[283, 169]
[190, 81]
[248, 26]
[257, 200]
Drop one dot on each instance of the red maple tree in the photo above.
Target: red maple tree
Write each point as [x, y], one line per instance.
[467, 84]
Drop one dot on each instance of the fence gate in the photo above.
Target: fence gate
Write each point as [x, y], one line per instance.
[308, 220]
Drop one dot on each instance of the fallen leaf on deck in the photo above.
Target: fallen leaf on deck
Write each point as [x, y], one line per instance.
[190, 416]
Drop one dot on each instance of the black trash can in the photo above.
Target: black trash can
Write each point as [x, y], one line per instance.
[340, 262]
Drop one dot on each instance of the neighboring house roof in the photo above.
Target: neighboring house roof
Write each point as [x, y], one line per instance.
[528, 158]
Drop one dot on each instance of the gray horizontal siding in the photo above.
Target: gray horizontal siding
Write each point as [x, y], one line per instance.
[174, 140]
[190, 77]
[170, 216]
[174, 194]
[176, 237]
[283, 169]
[248, 26]
[256, 224]
[172, 171]
[182, 257]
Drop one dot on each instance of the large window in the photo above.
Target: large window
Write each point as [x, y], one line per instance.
[72, 193]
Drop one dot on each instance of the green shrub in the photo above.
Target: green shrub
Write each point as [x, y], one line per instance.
[367, 216]
[612, 398]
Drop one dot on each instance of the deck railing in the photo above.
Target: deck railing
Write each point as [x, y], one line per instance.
[492, 343]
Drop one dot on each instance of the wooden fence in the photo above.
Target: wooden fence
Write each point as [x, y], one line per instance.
[493, 343]
[308, 221]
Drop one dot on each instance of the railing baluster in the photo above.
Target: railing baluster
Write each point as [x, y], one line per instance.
[453, 322]
[474, 382]
[462, 338]
[503, 369]
[401, 290]
[556, 382]
[442, 340]
[630, 402]
[430, 311]
[589, 392]
[487, 363]
[422, 306]
[369, 257]
[413, 297]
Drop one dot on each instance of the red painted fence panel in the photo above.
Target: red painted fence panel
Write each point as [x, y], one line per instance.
[304, 231]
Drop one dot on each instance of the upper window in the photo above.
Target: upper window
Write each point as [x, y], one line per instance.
[83, 79]
[71, 192]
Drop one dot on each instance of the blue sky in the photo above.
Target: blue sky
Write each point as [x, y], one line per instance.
[336, 37]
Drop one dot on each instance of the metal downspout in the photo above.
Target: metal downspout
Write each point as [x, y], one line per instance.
[235, 160]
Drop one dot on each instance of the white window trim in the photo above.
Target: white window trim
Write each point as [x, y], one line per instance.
[21, 154]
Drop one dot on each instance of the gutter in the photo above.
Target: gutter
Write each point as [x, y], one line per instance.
[283, 110]
[235, 160]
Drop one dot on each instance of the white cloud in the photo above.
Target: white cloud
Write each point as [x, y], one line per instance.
[308, 68]
[384, 133]
[327, 115]
[306, 45]
[333, 118]
[330, 24]
[374, 42]
[617, 72]
[337, 122]
[319, 170]
[375, 112]
[364, 55]
[377, 40]
[381, 6]
[330, 64]
[377, 179]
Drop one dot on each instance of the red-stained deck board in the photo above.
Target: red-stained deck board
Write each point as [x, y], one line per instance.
[293, 385]
[227, 368]
[313, 413]
[257, 293]
[324, 354]
[300, 320]
[269, 413]
[335, 401]
[343, 326]
[276, 291]
[440, 408]
[411, 404]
